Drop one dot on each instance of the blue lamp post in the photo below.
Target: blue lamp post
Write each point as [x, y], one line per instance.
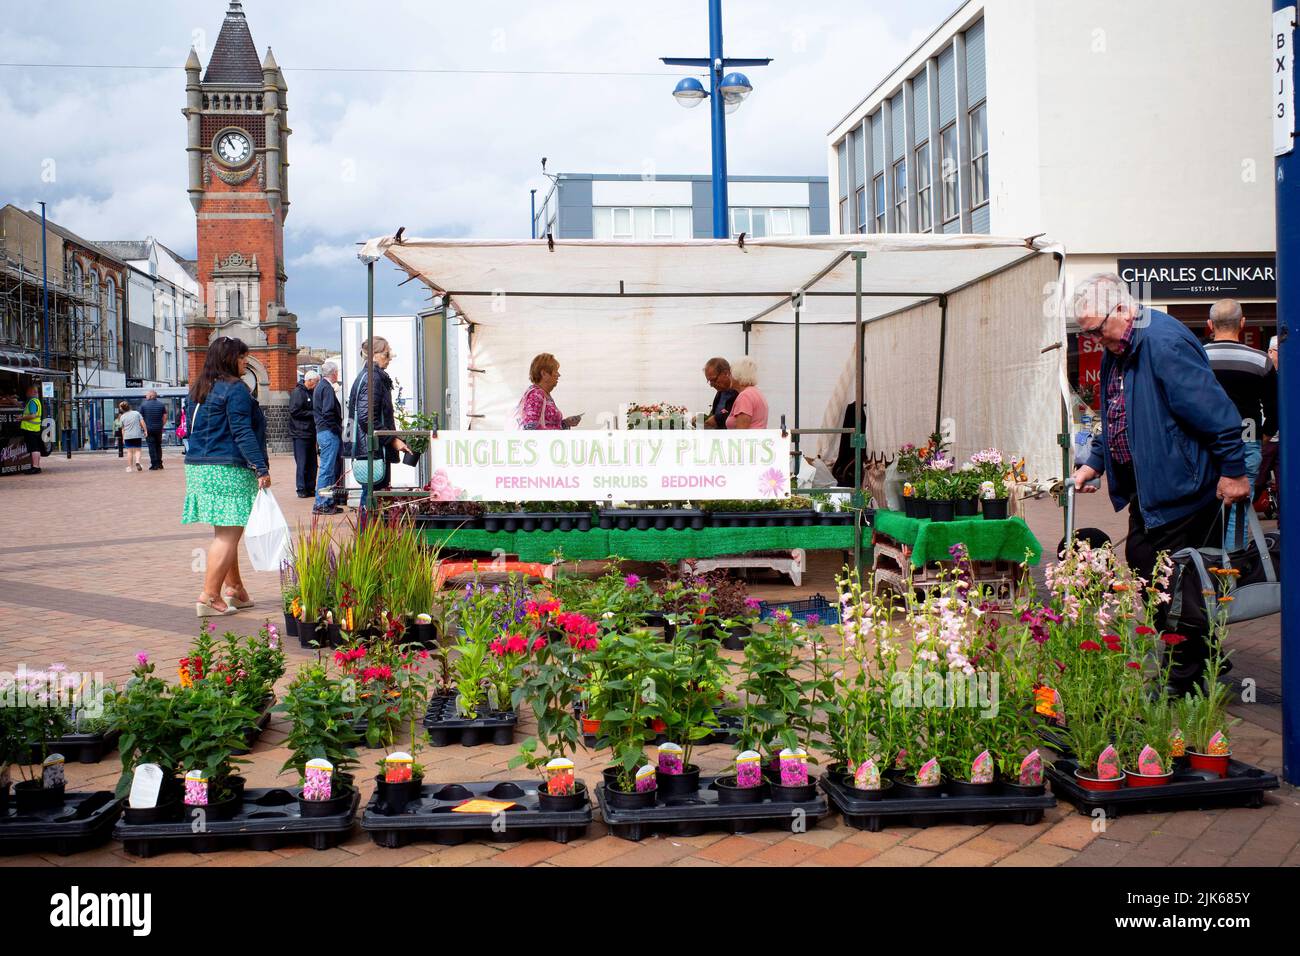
[726, 92]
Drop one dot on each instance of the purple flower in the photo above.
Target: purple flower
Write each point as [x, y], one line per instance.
[142, 658]
[753, 603]
[813, 620]
[781, 617]
[632, 580]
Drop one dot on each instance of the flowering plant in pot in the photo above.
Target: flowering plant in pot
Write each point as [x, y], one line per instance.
[688, 674]
[991, 483]
[939, 486]
[966, 491]
[32, 712]
[211, 725]
[142, 710]
[320, 711]
[769, 689]
[1098, 762]
[1148, 745]
[507, 652]
[1205, 720]
[405, 701]
[314, 564]
[628, 701]
[545, 682]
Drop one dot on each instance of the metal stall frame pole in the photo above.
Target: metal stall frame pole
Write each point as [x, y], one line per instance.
[370, 388]
[718, 124]
[943, 343]
[446, 385]
[1287, 178]
[859, 440]
[797, 301]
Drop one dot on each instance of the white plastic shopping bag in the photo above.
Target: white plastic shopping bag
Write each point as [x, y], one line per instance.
[267, 533]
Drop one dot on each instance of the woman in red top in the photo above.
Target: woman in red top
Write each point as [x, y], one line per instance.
[749, 410]
[537, 410]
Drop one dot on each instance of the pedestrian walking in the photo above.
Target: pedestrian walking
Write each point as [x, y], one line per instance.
[117, 433]
[154, 414]
[226, 465]
[30, 426]
[302, 428]
[327, 415]
[1170, 443]
[133, 435]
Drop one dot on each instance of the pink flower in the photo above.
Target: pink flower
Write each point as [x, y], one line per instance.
[632, 580]
[142, 658]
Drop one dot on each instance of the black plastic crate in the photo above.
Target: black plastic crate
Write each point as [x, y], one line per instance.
[651, 519]
[691, 816]
[430, 818]
[781, 518]
[448, 522]
[537, 521]
[897, 810]
[832, 518]
[259, 725]
[81, 822]
[1189, 789]
[80, 748]
[826, 611]
[267, 819]
[446, 728]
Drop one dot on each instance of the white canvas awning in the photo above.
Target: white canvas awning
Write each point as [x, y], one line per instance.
[635, 322]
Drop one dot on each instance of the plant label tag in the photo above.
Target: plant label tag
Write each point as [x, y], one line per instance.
[928, 775]
[1218, 745]
[196, 789]
[1031, 770]
[423, 619]
[52, 772]
[1149, 764]
[867, 776]
[981, 768]
[794, 767]
[398, 767]
[316, 779]
[483, 806]
[1108, 764]
[645, 779]
[670, 759]
[559, 777]
[900, 761]
[1177, 744]
[749, 769]
[146, 785]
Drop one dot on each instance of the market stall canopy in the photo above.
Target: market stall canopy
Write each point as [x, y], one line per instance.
[958, 326]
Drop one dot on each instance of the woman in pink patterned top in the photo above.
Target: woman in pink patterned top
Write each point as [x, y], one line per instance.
[749, 410]
[537, 410]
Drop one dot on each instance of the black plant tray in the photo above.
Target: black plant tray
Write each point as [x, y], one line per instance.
[80, 748]
[763, 519]
[1244, 786]
[449, 522]
[445, 728]
[267, 819]
[430, 818]
[537, 521]
[691, 816]
[651, 519]
[259, 725]
[897, 810]
[81, 822]
[835, 518]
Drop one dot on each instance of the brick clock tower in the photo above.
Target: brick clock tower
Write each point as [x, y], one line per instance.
[238, 184]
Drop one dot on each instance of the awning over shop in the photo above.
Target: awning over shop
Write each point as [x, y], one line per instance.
[35, 371]
[957, 326]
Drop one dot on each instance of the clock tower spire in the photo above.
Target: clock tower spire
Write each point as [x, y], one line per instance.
[237, 123]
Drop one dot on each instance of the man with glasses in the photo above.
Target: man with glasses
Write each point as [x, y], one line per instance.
[717, 372]
[1170, 443]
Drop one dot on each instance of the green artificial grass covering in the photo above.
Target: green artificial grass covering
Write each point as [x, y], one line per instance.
[1002, 540]
[644, 545]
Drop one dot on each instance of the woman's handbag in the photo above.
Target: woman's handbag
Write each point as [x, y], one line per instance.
[1256, 590]
[365, 472]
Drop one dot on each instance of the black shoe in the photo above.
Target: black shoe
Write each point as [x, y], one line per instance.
[327, 510]
[33, 471]
[306, 494]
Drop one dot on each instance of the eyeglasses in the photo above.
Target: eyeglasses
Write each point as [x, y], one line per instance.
[1095, 331]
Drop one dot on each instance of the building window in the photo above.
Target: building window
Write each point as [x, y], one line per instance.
[900, 196]
[235, 303]
[622, 224]
[979, 156]
[742, 221]
[948, 144]
[862, 209]
[845, 225]
[661, 224]
[878, 187]
[923, 192]
[759, 222]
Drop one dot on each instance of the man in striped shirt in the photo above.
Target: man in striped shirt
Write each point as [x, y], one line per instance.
[1251, 382]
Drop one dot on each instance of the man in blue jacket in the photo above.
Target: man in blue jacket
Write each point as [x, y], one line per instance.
[327, 415]
[1170, 444]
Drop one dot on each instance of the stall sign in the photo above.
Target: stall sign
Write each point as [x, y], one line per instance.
[610, 465]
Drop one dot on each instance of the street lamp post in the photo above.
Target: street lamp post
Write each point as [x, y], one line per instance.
[726, 92]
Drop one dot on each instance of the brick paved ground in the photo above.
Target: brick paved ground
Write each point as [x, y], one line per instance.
[95, 566]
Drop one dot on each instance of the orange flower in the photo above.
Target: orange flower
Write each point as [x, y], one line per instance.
[1044, 699]
[1225, 599]
[1119, 586]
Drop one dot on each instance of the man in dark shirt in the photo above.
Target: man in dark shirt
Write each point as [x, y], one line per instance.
[154, 414]
[328, 416]
[717, 372]
[1250, 381]
[302, 428]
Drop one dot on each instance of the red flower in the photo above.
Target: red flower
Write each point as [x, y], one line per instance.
[1060, 667]
[516, 644]
[497, 648]
[1089, 646]
[1145, 631]
[538, 644]
[1173, 640]
[1134, 665]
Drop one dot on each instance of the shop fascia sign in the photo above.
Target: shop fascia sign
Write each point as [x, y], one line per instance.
[1197, 278]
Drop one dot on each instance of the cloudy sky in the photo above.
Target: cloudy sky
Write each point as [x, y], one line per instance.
[441, 153]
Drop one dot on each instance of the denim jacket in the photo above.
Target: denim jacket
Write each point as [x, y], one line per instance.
[1184, 431]
[230, 429]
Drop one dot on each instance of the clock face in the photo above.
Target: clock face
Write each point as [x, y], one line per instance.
[233, 148]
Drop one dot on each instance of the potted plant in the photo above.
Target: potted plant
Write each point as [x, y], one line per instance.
[142, 710]
[313, 568]
[545, 681]
[965, 491]
[628, 702]
[688, 675]
[746, 783]
[1098, 762]
[1148, 745]
[1206, 721]
[940, 488]
[407, 697]
[769, 689]
[320, 714]
[214, 725]
[291, 601]
[992, 483]
[36, 716]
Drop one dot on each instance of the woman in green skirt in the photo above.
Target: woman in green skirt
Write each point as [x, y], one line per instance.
[225, 466]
